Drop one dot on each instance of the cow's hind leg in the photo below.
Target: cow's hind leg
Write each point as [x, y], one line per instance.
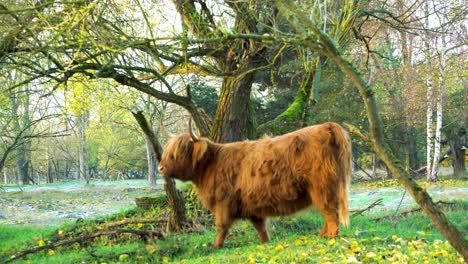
[328, 206]
[260, 225]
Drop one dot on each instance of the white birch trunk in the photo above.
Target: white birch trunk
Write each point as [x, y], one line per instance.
[82, 119]
[5, 177]
[440, 97]
[430, 106]
[151, 165]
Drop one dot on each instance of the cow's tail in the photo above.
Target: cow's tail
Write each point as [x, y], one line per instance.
[344, 165]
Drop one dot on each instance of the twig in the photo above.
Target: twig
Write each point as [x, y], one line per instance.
[372, 205]
[401, 201]
[405, 213]
[353, 130]
[359, 167]
[131, 222]
[82, 238]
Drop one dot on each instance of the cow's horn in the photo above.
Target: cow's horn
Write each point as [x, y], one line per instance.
[195, 138]
[163, 129]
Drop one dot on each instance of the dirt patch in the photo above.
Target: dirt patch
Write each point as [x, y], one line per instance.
[58, 203]
[394, 198]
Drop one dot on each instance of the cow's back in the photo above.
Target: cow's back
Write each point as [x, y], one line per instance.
[276, 173]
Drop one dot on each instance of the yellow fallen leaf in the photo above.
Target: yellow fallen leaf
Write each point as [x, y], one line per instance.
[443, 252]
[41, 243]
[332, 242]
[51, 252]
[151, 249]
[278, 248]
[371, 255]
[298, 242]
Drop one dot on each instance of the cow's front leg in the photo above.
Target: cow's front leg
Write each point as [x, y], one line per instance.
[223, 222]
[260, 225]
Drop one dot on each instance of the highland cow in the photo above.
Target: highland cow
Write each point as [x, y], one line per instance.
[268, 177]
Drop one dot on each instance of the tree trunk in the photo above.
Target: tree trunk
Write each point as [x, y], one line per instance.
[151, 164]
[412, 148]
[22, 165]
[458, 144]
[175, 200]
[429, 97]
[22, 161]
[409, 130]
[438, 129]
[50, 177]
[440, 98]
[234, 119]
[66, 169]
[294, 117]
[374, 166]
[81, 126]
[5, 177]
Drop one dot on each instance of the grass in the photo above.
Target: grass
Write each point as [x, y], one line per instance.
[294, 240]
[401, 239]
[11, 237]
[380, 236]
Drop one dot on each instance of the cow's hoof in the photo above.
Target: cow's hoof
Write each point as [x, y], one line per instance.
[216, 246]
[328, 234]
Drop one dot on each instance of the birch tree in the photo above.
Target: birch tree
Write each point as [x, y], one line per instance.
[439, 108]
[429, 95]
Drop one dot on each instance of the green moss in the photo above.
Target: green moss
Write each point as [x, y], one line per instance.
[147, 203]
[290, 119]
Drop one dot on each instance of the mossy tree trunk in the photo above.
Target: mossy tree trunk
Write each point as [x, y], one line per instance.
[237, 60]
[175, 200]
[234, 119]
[294, 117]
[458, 144]
[21, 159]
[376, 137]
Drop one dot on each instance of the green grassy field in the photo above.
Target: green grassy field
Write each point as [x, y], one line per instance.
[380, 236]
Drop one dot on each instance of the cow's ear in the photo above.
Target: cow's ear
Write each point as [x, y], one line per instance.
[199, 149]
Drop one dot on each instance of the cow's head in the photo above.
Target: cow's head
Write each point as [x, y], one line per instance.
[182, 156]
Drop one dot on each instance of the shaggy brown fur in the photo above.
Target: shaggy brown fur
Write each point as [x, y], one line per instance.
[268, 177]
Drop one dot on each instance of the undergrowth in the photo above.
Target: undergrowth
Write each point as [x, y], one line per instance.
[382, 237]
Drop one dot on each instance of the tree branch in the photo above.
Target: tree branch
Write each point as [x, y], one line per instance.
[84, 238]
